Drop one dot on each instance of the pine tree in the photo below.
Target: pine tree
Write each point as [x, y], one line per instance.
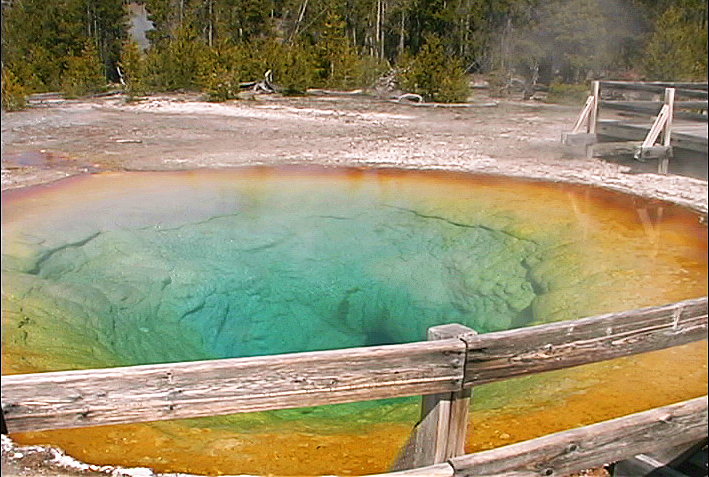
[42, 40]
[133, 69]
[678, 48]
[13, 93]
[84, 73]
[433, 74]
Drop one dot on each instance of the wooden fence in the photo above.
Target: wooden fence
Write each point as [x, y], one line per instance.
[444, 369]
[587, 127]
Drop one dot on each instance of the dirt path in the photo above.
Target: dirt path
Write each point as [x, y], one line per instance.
[175, 132]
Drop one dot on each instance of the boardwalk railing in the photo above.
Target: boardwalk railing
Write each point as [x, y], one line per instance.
[444, 370]
[584, 448]
[657, 142]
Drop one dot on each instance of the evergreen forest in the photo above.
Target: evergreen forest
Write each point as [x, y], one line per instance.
[430, 46]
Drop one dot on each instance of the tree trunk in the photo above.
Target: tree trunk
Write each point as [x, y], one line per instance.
[210, 13]
[401, 32]
[466, 36]
[379, 27]
[88, 21]
[300, 19]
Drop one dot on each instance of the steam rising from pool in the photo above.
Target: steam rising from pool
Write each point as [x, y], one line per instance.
[125, 269]
[196, 273]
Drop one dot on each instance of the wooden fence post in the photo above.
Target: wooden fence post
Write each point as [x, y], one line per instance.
[593, 117]
[667, 131]
[440, 433]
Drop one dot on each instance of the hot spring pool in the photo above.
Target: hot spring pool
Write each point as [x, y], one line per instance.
[136, 268]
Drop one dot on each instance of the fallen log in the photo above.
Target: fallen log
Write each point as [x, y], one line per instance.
[266, 86]
[412, 97]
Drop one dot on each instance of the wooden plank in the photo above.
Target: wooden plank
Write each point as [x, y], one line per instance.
[502, 355]
[671, 105]
[633, 148]
[650, 107]
[699, 130]
[654, 152]
[173, 391]
[592, 446]
[431, 433]
[593, 117]
[603, 149]
[658, 463]
[644, 465]
[578, 139]
[674, 455]
[584, 116]
[206, 388]
[657, 126]
[459, 400]
[703, 105]
[440, 433]
[646, 151]
[455, 423]
[690, 116]
[690, 90]
[458, 422]
[696, 140]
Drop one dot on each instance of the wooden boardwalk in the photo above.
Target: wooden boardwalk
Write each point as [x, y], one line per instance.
[666, 129]
[686, 135]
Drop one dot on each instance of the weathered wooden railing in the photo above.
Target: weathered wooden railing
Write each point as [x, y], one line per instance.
[447, 367]
[584, 448]
[586, 128]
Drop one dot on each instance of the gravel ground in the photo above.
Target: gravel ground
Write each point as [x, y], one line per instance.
[175, 132]
[179, 132]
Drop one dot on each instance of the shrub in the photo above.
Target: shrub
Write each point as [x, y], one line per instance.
[294, 69]
[433, 74]
[38, 71]
[13, 93]
[219, 74]
[498, 81]
[677, 50]
[372, 69]
[134, 69]
[568, 93]
[84, 73]
[175, 63]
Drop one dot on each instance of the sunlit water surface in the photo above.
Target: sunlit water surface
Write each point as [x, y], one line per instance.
[136, 268]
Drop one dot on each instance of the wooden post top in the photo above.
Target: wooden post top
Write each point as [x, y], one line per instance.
[453, 330]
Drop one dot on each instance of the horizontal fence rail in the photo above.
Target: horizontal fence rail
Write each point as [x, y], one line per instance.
[652, 108]
[592, 446]
[697, 104]
[182, 390]
[690, 90]
[583, 448]
[505, 354]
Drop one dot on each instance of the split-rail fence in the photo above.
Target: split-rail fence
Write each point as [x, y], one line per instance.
[444, 370]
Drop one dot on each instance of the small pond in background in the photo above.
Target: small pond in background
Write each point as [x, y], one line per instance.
[134, 268]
